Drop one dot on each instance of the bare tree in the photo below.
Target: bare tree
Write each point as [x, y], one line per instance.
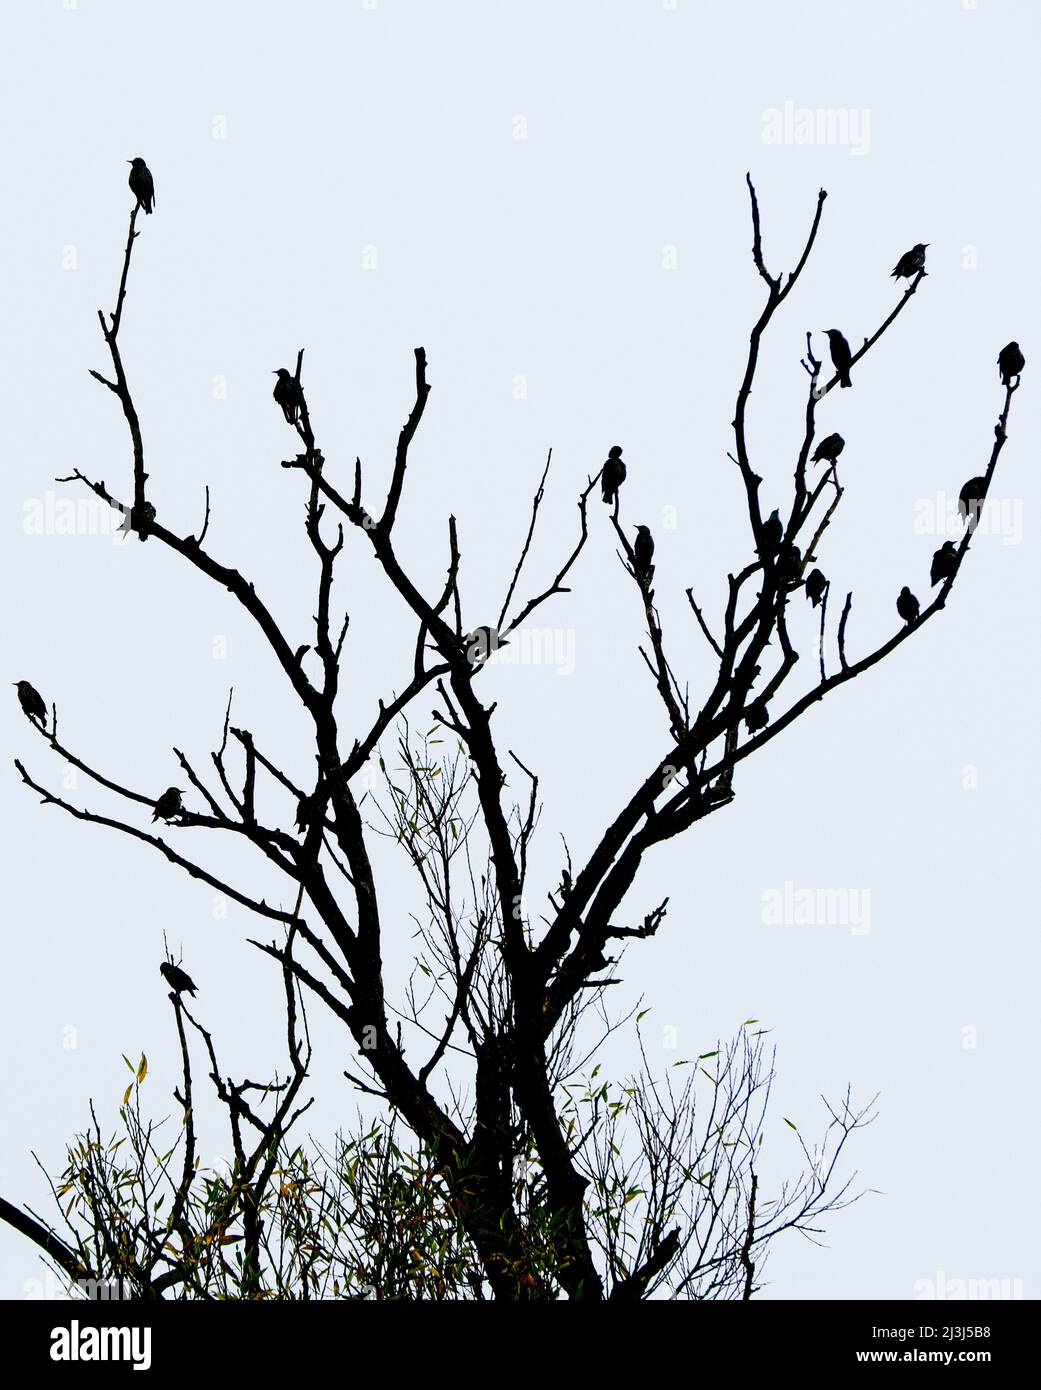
[526, 1187]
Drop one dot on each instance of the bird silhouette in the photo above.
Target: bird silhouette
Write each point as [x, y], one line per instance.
[643, 555]
[816, 583]
[907, 605]
[1010, 362]
[970, 500]
[480, 644]
[305, 810]
[168, 805]
[945, 562]
[178, 980]
[789, 563]
[289, 394]
[31, 702]
[773, 534]
[829, 449]
[612, 475]
[841, 357]
[141, 185]
[757, 716]
[911, 262]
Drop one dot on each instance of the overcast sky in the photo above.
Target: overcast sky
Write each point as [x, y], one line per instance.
[550, 198]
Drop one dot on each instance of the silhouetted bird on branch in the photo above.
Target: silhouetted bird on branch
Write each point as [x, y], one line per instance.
[945, 562]
[480, 644]
[970, 500]
[306, 809]
[841, 357]
[178, 980]
[911, 262]
[757, 716]
[1010, 362]
[31, 702]
[643, 555]
[168, 805]
[829, 449]
[613, 475]
[816, 583]
[773, 534]
[789, 563]
[289, 394]
[907, 605]
[141, 185]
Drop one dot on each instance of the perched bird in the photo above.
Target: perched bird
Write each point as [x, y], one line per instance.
[168, 805]
[757, 716]
[178, 980]
[612, 475]
[289, 394]
[907, 605]
[1010, 362]
[480, 644]
[789, 563]
[141, 185]
[305, 811]
[829, 449]
[815, 586]
[911, 262]
[643, 555]
[945, 562]
[773, 533]
[841, 356]
[31, 702]
[970, 500]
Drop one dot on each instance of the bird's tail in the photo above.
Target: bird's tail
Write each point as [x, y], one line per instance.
[844, 380]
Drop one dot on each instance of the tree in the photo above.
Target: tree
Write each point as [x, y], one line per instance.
[550, 1182]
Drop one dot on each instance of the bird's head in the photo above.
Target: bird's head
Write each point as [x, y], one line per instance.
[615, 452]
[282, 373]
[137, 163]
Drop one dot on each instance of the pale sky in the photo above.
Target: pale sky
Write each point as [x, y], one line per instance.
[549, 198]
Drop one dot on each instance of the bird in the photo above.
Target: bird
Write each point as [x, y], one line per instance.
[178, 980]
[829, 449]
[480, 644]
[612, 475]
[289, 394]
[168, 805]
[773, 533]
[789, 563]
[31, 702]
[141, 185]
[757, 716]
[945, 562]
[643, 555]
[1010, 362]
[970, 500]
[305, 811]
[816, 583]
[911, 262]
[841, 357]
[720, 790]
[907, 605]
